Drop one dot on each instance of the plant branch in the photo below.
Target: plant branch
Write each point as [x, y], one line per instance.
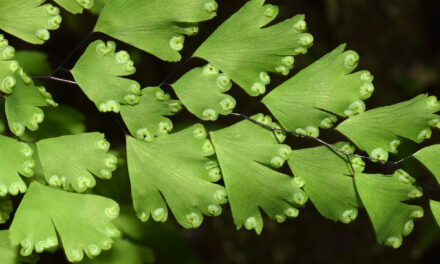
[54, 79]
[165, 81]
[347, 154]
[71, 53]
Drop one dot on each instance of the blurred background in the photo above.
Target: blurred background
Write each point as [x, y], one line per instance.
[397, 40]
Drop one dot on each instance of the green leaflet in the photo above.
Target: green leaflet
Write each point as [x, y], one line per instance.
[7, 66]
[75, 6]
[326, 178]
[124, 252]
[5, 210]
[82, 221]
[430, 157]
[23, 97]
[435, 208]
[116, 188]
[7, 52]
[383, 197]
[60, 121]
[15, 159]
[71, 161]
[99, 74]
[246, 153]
[378, 131]
[22, 106]
[35, 62]
[163, 238]
[326, 84]
[38, 168]
[7, 76]
[182, 174]
[146, 119]
[98, 6]
[202, 89]
[157, 27]
[28, 19]
[8, 252]
[246, 50]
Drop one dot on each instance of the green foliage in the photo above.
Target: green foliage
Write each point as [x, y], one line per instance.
[378, 131]
[82, 222]
[182, 175]
[98, 6]
[248, 155]
[204, 97]
[430, 157]
[59, 121]
[63, 166]
[193, 172]
[23, 98]
[29, 20]
[106, 87]
[157, 27]
[75, 6]
[124, 252]
[23, 104]
[383, 197]
[306, 101]
[246, 51]
[435, 208]
[328, 183]
[16, 158]
[8, 253]
[147, 120]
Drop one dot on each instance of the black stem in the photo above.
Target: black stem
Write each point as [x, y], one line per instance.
[72, 53]
[321, 142]
[165, 81]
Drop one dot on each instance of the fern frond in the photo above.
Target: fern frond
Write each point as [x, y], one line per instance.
[7, 52]
[22, 106]
[202, 89]
[71, 161]
[124, 252]
[98, 6]
[383, 197]
[75, 6]
[247, 51]
[175, 169]
[435, 209]
[325, 85]
[325, 175]
[430, 157]
[82, 221]
[7, 66]
[7, 75]
[247, 154]
[60, 121]
[157, 27]
[106, 88]
[147, 120]
[29, 20]
[15, 159]
[8, 252]
[378, 131]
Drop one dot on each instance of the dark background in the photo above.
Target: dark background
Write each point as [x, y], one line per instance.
[397, 40]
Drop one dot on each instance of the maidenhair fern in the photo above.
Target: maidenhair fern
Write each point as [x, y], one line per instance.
[196, 169]
[248, 156]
